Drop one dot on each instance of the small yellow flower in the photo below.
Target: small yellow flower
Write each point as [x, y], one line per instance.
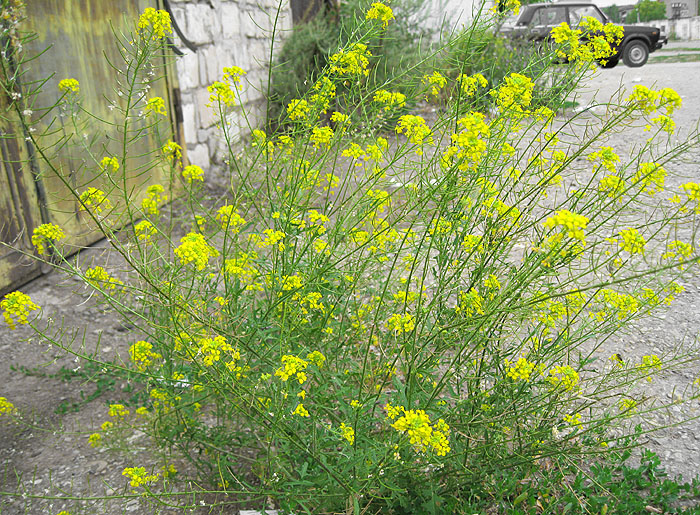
[95, 200]
[195, 249]
[347, 432]
[46, 234]
[154, 24]
[172, 150]
[109, 164]
[6, 407]
[154, 106]
[99, 278]
[138, 476]
[193, 173]
[300, 410]
[69, 86]
[95, 440]
[380, 12]
[298, 109]
[17, 305]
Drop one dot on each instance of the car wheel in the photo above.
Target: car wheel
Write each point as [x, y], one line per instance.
[610, 63]
[635, 54]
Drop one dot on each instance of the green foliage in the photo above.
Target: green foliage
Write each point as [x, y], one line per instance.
[479, 50]
[650, 10]
[613, 13]
[647, 10]
[407, 323]
[305, 52]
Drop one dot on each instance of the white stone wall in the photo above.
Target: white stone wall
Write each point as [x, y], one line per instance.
[448, 15]
[226, 33]
[685, 29]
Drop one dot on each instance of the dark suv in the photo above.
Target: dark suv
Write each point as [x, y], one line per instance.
[536, 21]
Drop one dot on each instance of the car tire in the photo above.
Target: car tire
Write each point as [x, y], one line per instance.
[635, 53]
[610, 63]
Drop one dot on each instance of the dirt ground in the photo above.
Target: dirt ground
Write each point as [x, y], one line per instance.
[49, 455]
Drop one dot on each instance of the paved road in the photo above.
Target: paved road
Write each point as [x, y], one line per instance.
[604, 85]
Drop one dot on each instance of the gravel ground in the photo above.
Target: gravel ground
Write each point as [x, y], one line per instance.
[50, 456]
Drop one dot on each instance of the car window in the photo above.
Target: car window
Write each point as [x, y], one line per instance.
[579, 13]
[548, 17]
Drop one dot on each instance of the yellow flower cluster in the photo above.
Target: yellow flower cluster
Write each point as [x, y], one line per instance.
[468, 145]
[6, 407]
[436, 82]
[440, 226]
[678, 250]
[99, 278]
[154, 106]
[692, 190]
[270, 238]
[416, 130]
[515, 93]
[606, 158]
[144, 230]
[142, 355]
[193, 173]
[347, 432]
[153, 200]
[572, 223]
[628, 406]
[298, 109]
[401, 323]
[172, 150]
[95, 440]
[470, 83]
[222, 93]
[118, 411]
[389, 99]
[109, 164]
[321, 136]
[470, 303]
[594, 42]
[521, 370]
[573, 420]
[292, 366]
[95, 200]
[612, 185]
[324, 91]
[155, 23]
[17, 305]
[300, 410]
[632, 241]
[229, 219]
[421, 434]
[623, 303]
[649, 363]
[46, 234]
[351, 62]
[210, 349]
[242, 268]
[138, 476]
[69, 85]
[563, 376]
[380, 12]
[648, 101]
[195, 249]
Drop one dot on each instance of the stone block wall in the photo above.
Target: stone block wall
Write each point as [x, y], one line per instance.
[226, 33]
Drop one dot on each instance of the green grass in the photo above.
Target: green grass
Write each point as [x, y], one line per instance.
[680, 58]
[681, 49]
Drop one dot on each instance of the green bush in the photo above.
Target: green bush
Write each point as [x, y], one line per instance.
[406, 325]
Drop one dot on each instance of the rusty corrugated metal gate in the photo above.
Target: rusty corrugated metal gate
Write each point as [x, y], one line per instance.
[81, 44]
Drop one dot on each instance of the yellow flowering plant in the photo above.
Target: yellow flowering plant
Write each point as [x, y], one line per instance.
[373, 319]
